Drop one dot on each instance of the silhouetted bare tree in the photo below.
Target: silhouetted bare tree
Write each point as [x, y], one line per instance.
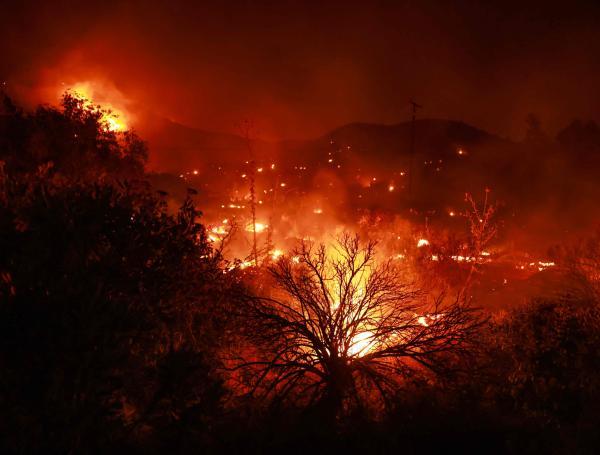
[341, 327]
[482, 222]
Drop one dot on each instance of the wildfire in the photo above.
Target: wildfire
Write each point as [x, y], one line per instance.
[219, 230]
[362, 343]
[288, 210]
[114, 124]
[426, 320]
[113, 118]
[544, 265]
[422, 242]
[260, 227]
[276, 254]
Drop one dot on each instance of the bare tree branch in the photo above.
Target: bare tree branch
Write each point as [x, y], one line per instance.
[341, 320]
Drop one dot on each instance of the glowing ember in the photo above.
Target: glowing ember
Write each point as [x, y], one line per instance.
[219, 230]
[426, 320]
[260, 227]
[544, 265]
[422, 242]
[276, 254]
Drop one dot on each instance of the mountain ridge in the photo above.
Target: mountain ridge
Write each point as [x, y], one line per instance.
[174, 146]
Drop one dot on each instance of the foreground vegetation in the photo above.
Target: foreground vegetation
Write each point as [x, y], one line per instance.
[121, 328]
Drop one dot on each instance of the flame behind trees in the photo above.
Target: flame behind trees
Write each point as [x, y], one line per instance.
[75, 141]
[345, 326]
[110, 118]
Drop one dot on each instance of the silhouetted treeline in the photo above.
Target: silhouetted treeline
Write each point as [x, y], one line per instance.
[108, 302]
[75, 139]
[115, 313]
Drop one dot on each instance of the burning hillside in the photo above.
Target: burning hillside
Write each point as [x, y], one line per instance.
[324, 277]
[299, 227]
[260, 199]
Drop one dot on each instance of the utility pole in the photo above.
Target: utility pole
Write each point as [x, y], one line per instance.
[270, 222]
[414, 106]
[246, 129]
[253, 210]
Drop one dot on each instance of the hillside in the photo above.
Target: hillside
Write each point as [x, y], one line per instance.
[532, 179]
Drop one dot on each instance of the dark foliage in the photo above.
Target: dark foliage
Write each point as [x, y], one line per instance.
[107, 302]
[106, 313]
[75, 141]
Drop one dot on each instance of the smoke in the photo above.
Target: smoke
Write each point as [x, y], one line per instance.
[301, 69]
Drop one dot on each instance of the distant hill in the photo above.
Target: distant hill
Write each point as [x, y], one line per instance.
[450, 157]
[175, 147]
[544, 182]
[429, 134]
[390, 144]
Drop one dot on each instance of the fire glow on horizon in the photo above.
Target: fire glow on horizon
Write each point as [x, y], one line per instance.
[114, 117]
[279, 184]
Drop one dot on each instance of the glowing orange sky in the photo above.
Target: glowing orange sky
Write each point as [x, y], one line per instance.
[301, 68]
[110, 100]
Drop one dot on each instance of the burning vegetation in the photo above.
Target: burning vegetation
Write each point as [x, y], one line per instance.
[317, 301]
[344, 327]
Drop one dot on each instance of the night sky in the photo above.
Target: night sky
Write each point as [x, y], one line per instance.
[299, 68]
